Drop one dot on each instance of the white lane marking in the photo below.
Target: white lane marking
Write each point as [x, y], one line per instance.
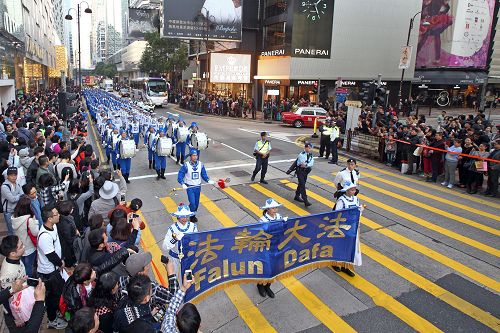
[277, 136]
[214, 168]
[236, 150]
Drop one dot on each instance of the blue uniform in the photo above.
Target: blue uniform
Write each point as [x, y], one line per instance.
[134, 130]
[149, 146]
[191, 175]
[160, 161]
[124, 163]
[112, 150]
[180, 148]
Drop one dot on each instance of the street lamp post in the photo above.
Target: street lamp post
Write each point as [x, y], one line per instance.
[206, 29]
[69, 17]
[410, 28]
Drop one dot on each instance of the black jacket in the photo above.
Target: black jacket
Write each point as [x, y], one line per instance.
[66, 230]
[31, 172]
[104, 261]
[71, 296]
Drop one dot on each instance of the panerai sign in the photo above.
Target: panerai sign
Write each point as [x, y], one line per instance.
[230, 68]
[307, 82]
[311, 53]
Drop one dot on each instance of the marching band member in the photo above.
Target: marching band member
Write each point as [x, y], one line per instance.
[171, 122]
[171, 242]
[149, 146]
[261, 152]
[123, 163]
[134, 130]
[269, 214]
[162, 125]
[160, 161]
[347, 174]
[112, 140]
[349, 200]
[180, 147]
[193, 128]
[190, 176]
[106, 134]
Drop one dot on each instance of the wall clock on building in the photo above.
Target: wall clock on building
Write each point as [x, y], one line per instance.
[314, 9]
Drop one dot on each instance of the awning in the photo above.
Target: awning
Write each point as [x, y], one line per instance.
[450, 77]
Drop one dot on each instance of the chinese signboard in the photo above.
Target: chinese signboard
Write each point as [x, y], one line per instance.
[230, 68]
[455, 33]
[141, 21]
[263, 251]
[199, 19]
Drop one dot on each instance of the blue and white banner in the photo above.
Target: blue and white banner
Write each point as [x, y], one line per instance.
[267, 251]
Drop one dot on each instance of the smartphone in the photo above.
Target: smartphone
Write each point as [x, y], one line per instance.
[122, 198]
[135, 216]
[189, 275]
[164, 259]
[32, 282]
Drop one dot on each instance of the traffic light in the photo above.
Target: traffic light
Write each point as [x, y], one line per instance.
[323, 93]
[380, 96]
[371, 93]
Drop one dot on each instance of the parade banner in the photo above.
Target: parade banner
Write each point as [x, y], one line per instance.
[264, 252]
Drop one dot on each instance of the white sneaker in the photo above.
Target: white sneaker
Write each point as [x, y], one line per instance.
[450, 186]
[444, 183]
[58, 324]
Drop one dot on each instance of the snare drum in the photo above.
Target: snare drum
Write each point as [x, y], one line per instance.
[164, 146]
[182, 134]
[170, 130]
[127, 149]
[199, 141]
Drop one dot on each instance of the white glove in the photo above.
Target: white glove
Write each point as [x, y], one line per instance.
[285, 218]
[184, 186]
[211, 182]
[117, 155]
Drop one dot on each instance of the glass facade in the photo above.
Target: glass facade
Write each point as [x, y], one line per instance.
[274, 35]
[274, 8]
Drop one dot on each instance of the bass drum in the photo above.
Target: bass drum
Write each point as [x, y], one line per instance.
[164, 146]
[182, 134]
[199, 141]
[170, 130]
[127, 148]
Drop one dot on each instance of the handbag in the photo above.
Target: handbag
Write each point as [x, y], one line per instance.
[33, 238]
[418, 151]
[481, 166]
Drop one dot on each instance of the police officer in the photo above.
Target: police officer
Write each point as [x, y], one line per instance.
[261, 152]
[305, 162]
[269, 214]
[347, 174]
[190, 176]
[334, 141]
[160, 161]
[324, 146]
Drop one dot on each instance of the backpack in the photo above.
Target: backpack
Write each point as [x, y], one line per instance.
[78, 248]
[4, 202]
[33, 238]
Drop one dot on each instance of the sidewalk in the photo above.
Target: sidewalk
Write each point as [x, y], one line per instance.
[259, 115]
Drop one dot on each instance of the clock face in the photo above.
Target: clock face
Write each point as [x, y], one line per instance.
[314, 9]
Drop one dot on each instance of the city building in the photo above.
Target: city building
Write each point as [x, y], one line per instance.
[11, 50]
[100, 43]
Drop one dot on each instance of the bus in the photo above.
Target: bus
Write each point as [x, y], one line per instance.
[150, 89]
[107, 85]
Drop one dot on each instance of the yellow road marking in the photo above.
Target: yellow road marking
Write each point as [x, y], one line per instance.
[451, 234]
[148, 243]
[319, 309]
[97, 141]
[435, 210]
[418, 280]
[250, 314]
[432, 186]
[378, 296]
[433, 197]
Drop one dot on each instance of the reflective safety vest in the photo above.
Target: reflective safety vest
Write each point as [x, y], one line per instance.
[263, 147]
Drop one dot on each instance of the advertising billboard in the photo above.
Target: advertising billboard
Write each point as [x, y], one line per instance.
[141, 21]
[230, 68]
[455, 33]
[312, 29]
[197, 19]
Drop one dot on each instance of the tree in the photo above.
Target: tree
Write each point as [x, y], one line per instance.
[103, 69]
[163, 55]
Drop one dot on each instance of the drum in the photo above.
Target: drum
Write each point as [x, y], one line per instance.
[127, 148]
[170, 130]
[199, 141]
[151, 137]
[164, 146]
[182, 134]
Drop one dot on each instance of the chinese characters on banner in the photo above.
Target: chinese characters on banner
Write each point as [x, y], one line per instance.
[263, 251]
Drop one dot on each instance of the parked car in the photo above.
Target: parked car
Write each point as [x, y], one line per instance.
[124, 92]
[304, 116]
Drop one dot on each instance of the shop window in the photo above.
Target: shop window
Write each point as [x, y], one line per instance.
[275, 8]
[274, 35]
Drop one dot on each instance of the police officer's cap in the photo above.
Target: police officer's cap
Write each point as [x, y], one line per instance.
[351, 160]
[263, 133]
[308, 144]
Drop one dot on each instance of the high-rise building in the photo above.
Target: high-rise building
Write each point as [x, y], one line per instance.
[58, 13]
[100, 43]
[113, 40]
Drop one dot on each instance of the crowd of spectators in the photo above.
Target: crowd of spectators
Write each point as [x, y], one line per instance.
[407, 143]
[71, 249]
